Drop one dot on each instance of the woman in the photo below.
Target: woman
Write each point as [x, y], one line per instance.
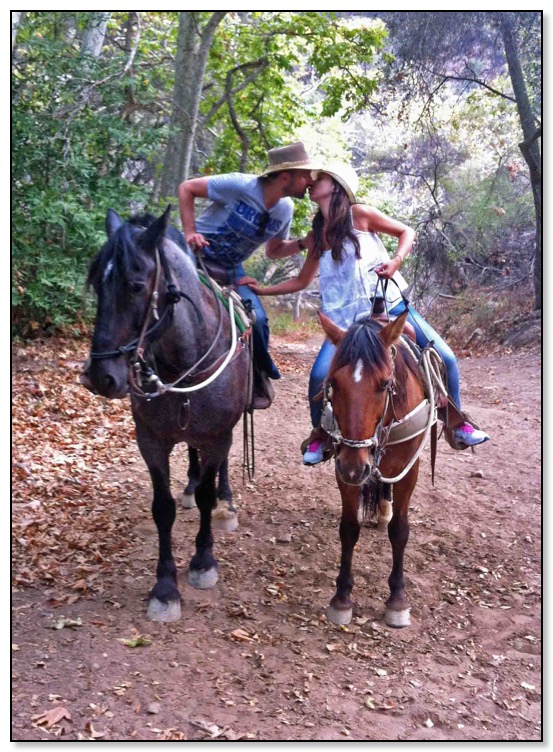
[345, 248]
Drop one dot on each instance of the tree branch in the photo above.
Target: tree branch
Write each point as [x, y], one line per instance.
[261, 65]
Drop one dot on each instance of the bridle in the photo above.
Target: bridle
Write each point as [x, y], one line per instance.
[153, 324]
[383, 435]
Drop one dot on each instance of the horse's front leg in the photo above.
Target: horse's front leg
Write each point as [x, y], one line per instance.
[397, 605]
[165, 599]
[340, 609]
[202, 572]
[188, 499]
[224, 515]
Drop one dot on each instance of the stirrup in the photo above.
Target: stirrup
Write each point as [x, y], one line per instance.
[319, 434]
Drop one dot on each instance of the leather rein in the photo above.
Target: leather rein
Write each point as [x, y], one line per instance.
[413, 424]
[153, 323]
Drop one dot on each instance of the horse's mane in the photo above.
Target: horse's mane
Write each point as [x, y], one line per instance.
[361, 342]
[120, 250]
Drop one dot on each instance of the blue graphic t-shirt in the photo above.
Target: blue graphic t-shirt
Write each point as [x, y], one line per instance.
[233, 223]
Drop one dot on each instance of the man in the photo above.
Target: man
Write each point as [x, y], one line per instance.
[247, 211]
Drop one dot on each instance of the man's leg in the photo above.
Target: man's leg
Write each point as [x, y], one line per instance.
[262, 359]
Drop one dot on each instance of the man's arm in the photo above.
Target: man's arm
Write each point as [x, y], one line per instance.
[277, 248]
[188, 191]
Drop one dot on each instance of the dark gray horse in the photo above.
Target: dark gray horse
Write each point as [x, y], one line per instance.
[158, 325]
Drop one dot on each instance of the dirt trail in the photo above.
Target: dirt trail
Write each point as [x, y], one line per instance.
[254, 658]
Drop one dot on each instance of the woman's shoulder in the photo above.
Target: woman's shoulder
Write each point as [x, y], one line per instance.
[362, 216]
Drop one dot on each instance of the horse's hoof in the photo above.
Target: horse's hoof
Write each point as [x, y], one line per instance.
[339, 616]
[382, 526]
[203, 580]
[188, 501]
[160, 611]
[223, 519]
[397, 619]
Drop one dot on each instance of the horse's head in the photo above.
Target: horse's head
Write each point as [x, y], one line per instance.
[123, 275]
[360, 380]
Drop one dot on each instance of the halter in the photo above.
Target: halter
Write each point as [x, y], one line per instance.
[137, 345]
[381, 438]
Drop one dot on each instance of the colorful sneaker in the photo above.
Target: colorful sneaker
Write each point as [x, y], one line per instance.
[470, 436]
[314, 453]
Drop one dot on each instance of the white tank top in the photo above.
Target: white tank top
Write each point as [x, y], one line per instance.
[348, 285]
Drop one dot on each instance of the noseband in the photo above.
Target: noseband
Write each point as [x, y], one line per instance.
[384, 435]
[173, 296]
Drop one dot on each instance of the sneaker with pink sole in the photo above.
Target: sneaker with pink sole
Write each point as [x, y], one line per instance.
[314, 453]
[470, 436]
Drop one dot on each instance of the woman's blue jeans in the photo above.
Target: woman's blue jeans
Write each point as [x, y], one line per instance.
[424, 334]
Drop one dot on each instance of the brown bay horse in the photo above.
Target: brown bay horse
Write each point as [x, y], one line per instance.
[373, 383]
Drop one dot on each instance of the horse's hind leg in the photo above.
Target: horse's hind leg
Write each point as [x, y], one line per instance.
[224, 515]
[188, 500]
[165, 600]
[385, 507]
[397, 605]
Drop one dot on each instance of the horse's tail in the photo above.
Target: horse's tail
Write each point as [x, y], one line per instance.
[370, 496]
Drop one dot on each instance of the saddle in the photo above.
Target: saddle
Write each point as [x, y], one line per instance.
[219, 279]
[448, 412]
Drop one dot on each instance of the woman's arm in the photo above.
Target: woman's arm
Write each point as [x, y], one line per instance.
[367, 219]
[303, 280]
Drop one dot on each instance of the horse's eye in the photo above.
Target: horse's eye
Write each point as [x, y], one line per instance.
[137, 287]
[384, 385]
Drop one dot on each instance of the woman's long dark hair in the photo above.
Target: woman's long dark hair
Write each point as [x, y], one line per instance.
[339, 226]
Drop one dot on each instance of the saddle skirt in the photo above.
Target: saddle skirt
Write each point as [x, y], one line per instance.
[244, 318]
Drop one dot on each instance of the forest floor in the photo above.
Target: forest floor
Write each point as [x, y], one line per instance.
[255, 658]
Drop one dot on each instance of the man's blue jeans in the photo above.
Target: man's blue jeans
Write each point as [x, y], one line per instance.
[424, 334]
[260, 333]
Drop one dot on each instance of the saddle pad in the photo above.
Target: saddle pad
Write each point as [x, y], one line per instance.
[241, 316]
[412, 424]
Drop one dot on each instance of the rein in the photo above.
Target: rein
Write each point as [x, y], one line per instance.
[381, 438]
[137, 345]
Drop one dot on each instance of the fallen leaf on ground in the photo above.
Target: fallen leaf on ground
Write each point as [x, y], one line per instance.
[135, 642]
[63, 623]
[50, 717]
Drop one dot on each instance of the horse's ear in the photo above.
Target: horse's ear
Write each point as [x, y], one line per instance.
[113, 222]
[332, 330]
[390, 333]
[152, 236]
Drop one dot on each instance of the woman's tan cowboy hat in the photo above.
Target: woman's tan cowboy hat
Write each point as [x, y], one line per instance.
[290, 157]
[345, 175]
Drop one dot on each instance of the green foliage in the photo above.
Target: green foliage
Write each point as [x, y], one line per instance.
[91, 133]
[71, 144]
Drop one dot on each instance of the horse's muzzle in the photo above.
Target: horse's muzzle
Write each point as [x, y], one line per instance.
[353, 470]
[104, 381]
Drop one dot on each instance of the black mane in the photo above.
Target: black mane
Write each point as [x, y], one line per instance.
[121, 250]
[362, 342]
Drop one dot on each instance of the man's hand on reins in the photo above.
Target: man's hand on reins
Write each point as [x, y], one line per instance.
[196, 241]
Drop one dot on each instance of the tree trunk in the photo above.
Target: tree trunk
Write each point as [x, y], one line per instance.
[193, 46]
[17, 18]
[94, 34]
[529, 146]
[297, 305]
